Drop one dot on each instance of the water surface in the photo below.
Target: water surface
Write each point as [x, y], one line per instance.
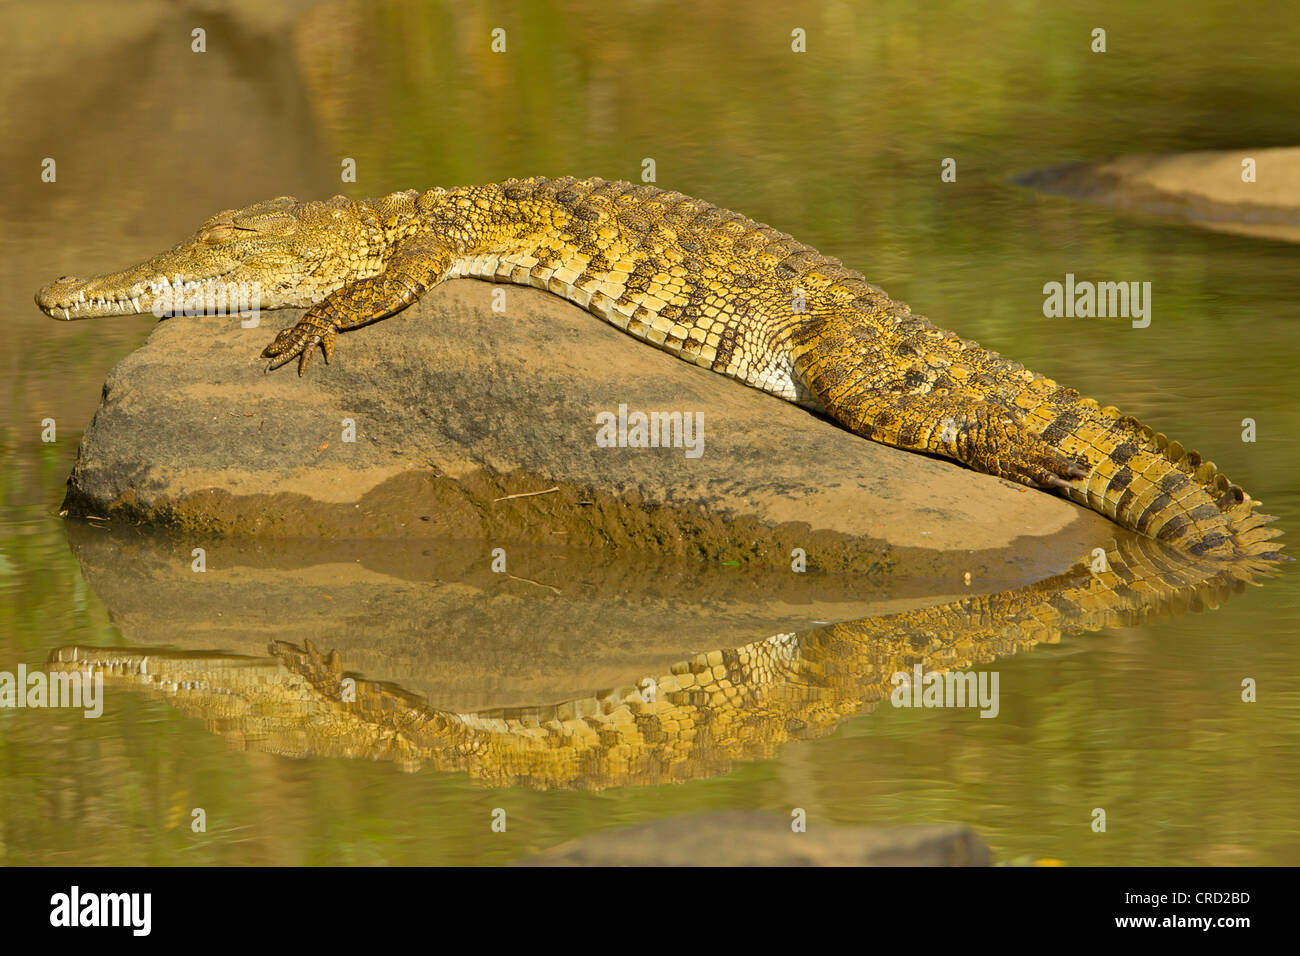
[840, 147]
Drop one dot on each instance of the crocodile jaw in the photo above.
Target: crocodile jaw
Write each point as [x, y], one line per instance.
[129, 292]
[162, 285]
[271, 255]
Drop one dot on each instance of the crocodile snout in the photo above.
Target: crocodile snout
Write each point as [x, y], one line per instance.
[72, 297]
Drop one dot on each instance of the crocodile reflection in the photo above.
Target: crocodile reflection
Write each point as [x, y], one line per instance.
[697, 720]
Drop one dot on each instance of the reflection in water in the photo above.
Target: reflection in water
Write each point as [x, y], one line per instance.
[737, 703]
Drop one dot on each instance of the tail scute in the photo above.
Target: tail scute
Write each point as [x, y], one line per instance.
[1152, 484]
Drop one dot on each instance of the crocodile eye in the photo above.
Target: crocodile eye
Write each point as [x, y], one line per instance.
[268, 223]
[219, 233]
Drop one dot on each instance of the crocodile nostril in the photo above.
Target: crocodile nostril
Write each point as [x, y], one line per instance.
[63, 278]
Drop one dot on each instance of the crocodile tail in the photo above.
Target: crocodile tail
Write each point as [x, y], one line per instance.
[1152, 485]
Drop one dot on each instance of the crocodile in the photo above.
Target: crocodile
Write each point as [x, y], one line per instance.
[715, 289]
[693, 719]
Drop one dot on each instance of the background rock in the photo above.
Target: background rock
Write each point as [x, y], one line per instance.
[1203, 187]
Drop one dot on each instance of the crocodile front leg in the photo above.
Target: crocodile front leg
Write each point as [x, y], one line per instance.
[413, 268]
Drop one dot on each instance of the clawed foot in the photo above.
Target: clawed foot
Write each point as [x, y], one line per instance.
[1052, 469]
[1012, 451]
[993, 439]
[301, 340]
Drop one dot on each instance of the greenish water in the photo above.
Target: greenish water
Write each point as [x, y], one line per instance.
[841, 147]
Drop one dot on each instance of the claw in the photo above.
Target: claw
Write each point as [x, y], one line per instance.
[299, 342]
[279, 359]
[1056, 470]
[1011, 451]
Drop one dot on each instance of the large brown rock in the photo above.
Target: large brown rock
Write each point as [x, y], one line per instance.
[471, 424]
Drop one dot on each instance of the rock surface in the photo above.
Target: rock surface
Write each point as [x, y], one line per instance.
[476, 425]
[746, 838]
[1204, 188]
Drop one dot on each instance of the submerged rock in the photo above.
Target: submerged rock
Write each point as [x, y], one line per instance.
[451, 420]
[750, 838]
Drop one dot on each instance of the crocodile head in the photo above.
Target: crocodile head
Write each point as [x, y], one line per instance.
[277, 254]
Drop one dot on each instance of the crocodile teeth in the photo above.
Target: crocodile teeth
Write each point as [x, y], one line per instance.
[136, 302]
[65, 314]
